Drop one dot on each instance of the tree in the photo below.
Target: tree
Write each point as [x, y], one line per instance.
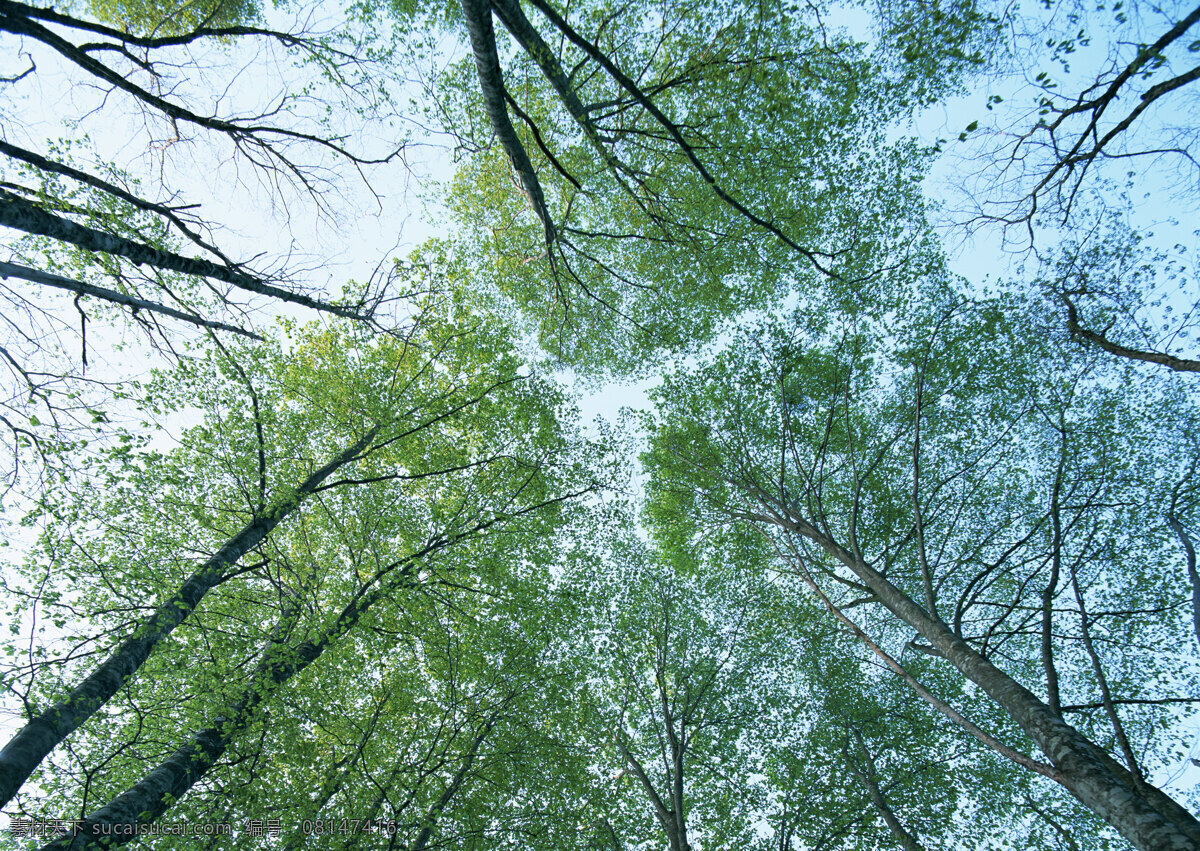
[139, 255]
[1088, 123]
[1099, 84]
[419, 406]
[863, 764]
[685, 674]
[49, 727]
[991, 525]
[886, 482]
[656, 215]
[1118, 295]
[866, 761]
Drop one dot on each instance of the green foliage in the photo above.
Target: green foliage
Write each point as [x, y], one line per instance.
[936, 44]
[464, 443]
[783, 118]
[174, 17]
[781, 427]
[484, 631]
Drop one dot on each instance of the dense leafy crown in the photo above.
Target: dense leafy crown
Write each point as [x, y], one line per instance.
[890, 556]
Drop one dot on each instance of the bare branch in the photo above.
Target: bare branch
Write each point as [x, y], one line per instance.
[21, 215]
[79, 287]
[1098, 339]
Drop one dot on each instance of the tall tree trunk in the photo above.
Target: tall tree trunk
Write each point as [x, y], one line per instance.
[118, 821]
[43, 732]
[478, 14]
[870, 781]
[1143, 814]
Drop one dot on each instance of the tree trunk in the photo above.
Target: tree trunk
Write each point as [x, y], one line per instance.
[870, 781]
[478, 15]
[118, 821]
[1143, 814]
[42, 733]
[1148, 818]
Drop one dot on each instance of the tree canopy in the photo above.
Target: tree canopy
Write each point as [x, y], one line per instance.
[900, 552]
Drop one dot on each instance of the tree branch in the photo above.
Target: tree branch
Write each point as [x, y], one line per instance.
[52, 280]
[1169, 361]
[491, 85]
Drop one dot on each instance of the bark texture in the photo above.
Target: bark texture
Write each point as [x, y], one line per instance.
[478, 15]
[1144, 815]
